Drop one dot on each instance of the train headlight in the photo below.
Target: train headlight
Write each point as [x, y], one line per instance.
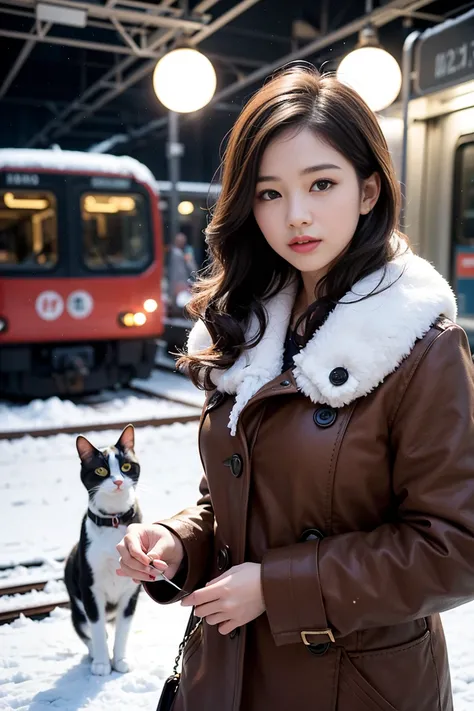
[3, 324]
[150, 305]
[131, 319]
[139, 319]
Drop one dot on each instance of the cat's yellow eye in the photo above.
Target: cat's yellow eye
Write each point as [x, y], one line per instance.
[101, 471]
[126, 467]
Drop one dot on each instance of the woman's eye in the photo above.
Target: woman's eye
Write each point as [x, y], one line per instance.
[126, 467]
[269, 195]
[101, 471]
[321, 186]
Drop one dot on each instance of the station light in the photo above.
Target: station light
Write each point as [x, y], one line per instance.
[371, 71]
[184, 80]
[150, 305]
[185, 207]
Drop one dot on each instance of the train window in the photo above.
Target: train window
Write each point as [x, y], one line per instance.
[28, 230]
[115, 231]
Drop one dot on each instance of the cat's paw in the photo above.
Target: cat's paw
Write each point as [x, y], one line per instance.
[121, 665]
[101, 668]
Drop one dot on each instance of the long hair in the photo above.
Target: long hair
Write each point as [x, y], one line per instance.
[243, 270]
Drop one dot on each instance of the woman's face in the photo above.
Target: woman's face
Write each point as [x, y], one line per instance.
[307, 190]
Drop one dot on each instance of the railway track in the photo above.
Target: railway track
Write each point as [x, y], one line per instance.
[18, 593]
[191, 415]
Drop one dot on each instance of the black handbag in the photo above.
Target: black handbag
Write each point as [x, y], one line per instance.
[171, 685]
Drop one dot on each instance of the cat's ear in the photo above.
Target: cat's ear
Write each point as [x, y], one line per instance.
[84, 448]
[126, 441]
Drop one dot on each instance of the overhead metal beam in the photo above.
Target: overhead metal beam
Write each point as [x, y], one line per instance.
[134, 17]
[61, 126]
[23, 56]
[379, 17]
[80, 44]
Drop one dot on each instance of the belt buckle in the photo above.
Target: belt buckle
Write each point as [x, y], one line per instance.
[311, 632]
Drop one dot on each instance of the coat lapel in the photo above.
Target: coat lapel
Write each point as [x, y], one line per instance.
[369, 337]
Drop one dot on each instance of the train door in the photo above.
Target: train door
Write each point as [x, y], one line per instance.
[440, 208]
[462, 232]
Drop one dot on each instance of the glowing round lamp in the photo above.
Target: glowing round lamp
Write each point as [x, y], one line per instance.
[139, 319]
[184, 80]
[185, 207]
[374, 74]
[150, 305]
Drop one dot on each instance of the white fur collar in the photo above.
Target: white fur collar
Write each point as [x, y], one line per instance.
[368, 338]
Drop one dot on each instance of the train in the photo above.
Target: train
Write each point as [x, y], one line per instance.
[431, 135]
[81, 269]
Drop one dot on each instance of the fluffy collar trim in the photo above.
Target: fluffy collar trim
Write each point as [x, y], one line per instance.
[368, 338]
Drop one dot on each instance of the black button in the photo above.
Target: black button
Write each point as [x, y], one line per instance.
[338, 376]
[236, 464]
[311, 534]
[318, 649]
[285, 383]
[223, 559]
[325, 416]
[235, 633]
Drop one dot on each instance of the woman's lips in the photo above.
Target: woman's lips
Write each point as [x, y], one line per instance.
[303, 247]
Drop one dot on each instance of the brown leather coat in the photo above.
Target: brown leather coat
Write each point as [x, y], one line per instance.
[362, 517]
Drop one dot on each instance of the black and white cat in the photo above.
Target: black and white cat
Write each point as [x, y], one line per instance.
[98, 595]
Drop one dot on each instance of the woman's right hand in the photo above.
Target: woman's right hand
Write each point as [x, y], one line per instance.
[148, 548]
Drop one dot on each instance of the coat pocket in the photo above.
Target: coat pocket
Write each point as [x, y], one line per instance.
[193, 643]
[401, 678]
[355, 693]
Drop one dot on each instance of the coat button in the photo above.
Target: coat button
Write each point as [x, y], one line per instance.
[285, 383]
[223, 559]
[311, 534]
[236, 465]
[325, 416]
[338, 376]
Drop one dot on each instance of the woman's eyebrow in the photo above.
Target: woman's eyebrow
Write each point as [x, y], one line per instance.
[305, 171]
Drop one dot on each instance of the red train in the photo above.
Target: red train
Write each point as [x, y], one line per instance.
[80, 272]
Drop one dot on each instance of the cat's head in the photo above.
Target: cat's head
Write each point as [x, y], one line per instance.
[110, 475]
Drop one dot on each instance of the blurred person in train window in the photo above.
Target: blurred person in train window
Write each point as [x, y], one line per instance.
[182, 266]
[336, 516]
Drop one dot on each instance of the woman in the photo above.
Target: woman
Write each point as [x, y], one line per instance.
[337, 511]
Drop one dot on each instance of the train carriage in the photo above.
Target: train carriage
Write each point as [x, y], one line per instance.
[432, 138]
[80, 271]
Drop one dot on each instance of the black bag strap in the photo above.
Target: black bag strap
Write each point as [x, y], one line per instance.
[193, 624]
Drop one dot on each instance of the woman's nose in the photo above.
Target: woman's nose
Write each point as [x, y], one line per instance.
[298, 214]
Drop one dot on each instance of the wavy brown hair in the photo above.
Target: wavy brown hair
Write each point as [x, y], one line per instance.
[243, 270]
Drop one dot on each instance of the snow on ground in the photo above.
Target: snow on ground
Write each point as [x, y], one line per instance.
[54, 412]
[43, 664]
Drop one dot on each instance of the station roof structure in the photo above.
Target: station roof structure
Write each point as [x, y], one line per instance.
[79, 75]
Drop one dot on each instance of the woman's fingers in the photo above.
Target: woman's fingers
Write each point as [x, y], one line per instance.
[210, 608]
[126, 572]
[217, 618]
[134, 550]
[131, 562]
